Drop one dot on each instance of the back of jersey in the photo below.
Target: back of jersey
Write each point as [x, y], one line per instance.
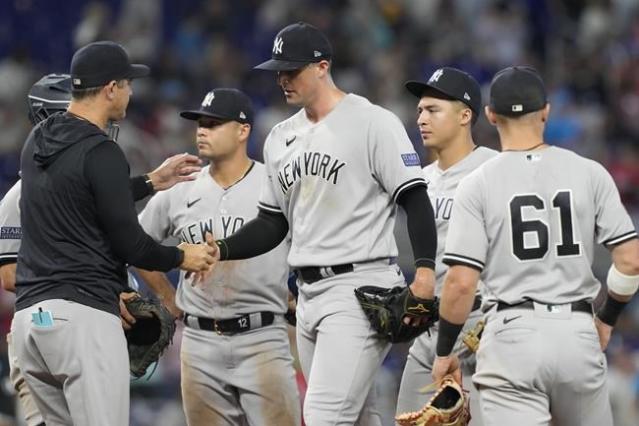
[529, 220]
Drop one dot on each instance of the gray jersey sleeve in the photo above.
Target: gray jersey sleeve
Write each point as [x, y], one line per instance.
[10, 228]
[268, 200]
[467, 241]
[612, 222]
[154, 218]
[393, 159]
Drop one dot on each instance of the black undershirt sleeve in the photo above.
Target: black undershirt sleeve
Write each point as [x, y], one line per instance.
[420, 221]
[258, 236]
[107, 171]
[139, 188]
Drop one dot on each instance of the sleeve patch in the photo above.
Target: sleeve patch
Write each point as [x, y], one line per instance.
[411, 159]
[10, 233]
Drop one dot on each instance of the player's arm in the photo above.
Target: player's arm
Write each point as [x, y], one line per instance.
[8, 276]
[175, 169]
[615, 230]
[622, 282]
[422, 232]
[162, 288]
[256, 237]
[106, 170]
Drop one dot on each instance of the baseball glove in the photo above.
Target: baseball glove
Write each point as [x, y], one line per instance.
[449, 406]
[150, 335]
[386, 309]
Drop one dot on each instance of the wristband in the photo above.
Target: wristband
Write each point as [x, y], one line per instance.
[149, 184]
[447, 336]
[610, 311]
[223, 248]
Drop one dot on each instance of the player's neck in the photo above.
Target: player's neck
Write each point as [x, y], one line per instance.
[326, 100]
[90, 112]
[520, 139]
[455, 152]
[228, 171]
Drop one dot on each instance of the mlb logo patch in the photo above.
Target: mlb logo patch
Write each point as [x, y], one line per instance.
[10, 233]
[411, 159]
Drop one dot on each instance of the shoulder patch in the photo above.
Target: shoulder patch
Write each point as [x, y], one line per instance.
[411, 159]
[10, 233]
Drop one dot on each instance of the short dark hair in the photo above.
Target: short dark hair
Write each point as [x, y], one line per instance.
[89, 92]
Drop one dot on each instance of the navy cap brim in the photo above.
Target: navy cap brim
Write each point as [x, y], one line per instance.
[278, 65]
[197, 114]
[418, 88]
[138, 71]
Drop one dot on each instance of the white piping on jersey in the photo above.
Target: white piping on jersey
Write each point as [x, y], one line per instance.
[457, 258]
[408, 184]
[624, 237]
[269, 208]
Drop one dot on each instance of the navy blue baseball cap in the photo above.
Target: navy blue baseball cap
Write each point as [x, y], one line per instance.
[98, 63]
[224, 104]
[451, 84]
[516, 91]
[295, 46]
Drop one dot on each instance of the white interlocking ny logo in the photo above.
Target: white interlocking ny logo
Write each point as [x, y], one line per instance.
[277, 45]
[208, 99]
[436, 75]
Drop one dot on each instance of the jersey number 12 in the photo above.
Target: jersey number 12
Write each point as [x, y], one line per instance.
[563, 204]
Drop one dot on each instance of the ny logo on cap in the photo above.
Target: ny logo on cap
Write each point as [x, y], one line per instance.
[208, 99]
[277, 45]
[436, 75]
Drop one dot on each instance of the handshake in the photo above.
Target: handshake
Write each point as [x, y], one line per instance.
[200, 259]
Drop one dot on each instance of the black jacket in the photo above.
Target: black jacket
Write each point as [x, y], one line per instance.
[79, 224]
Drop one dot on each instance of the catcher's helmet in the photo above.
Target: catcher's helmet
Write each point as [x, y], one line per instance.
[50, 94]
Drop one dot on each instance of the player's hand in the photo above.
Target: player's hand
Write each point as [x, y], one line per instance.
[202, 276]
[127, 319]
[445, 365]
[198, 257]
[604, 331]
[175, 169]
[423, 287]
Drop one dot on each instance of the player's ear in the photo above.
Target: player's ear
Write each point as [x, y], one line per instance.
[323, 67]
[244, 131]
[110, 89]
[466, 116]
[490, 115]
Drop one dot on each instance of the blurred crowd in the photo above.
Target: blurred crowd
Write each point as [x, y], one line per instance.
[587, 51]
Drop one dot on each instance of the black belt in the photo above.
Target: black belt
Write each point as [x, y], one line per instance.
[580, 306]
[310, 274]
[233, 325]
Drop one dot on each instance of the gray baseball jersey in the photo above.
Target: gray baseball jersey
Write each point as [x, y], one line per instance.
[417, 371]
[187, 211]
[442, 185]
[10, 228]
[529, 220]
[336, 182]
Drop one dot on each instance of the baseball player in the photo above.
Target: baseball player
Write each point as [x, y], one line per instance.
[527, 221]
[449, 104]
[47, 96]
[335, 172]
[79, 229]
[237, 366]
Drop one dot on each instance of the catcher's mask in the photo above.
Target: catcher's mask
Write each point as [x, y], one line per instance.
[50, 94]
